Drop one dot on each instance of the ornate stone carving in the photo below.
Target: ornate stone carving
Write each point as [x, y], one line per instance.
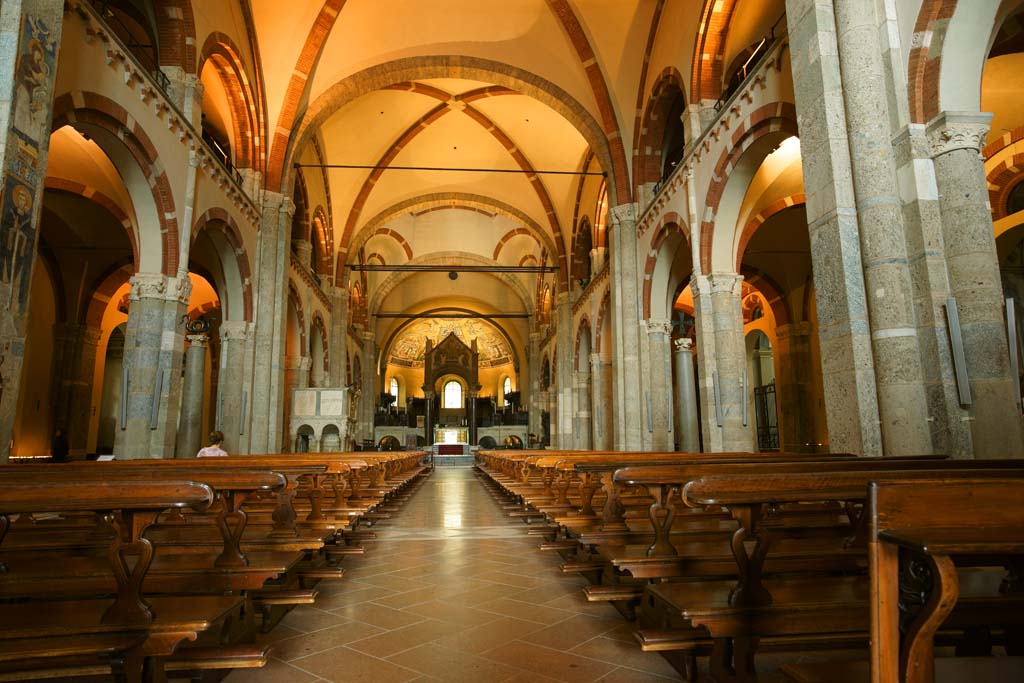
[663, 327]
[683, 344]
[159, 286]
[197, 339]
[234, 330]
[952, 131]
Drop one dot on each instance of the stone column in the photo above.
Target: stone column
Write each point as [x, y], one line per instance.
[598, 260]
[471, 417]
[370, 390]
[626, 320]
[190, 428]
[584, 418]
[793, 387]
[687, 427]
[899, 377]
[154, 341]
[268, 324]
[25, 116]
[233, 386]
[659, 337]
[428, 415]
[303, 250]
[185, 90]
[564, 371]
[535, 404]
[73, 370]
[851, 398]
[601, 401]
[338, 342]
[956, 140]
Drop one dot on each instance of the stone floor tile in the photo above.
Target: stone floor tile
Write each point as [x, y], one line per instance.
[392, 642]
[624, 654]
[574, 631]
[274, 672]
[344, 665]
[324, 639]
[453, 665]
[562, 666]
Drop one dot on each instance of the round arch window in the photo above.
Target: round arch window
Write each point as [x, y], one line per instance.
[451, 397]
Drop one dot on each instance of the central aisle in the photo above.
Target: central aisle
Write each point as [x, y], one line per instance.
[452, 590]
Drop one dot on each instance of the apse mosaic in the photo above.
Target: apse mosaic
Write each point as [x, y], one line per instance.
[407, 350]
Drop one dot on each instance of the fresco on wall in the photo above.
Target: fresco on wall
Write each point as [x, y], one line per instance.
[33, 79]
[407, 350]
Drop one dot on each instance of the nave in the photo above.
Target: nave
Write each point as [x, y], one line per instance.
[454, 590]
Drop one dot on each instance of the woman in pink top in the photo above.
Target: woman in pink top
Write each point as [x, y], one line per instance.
[213, 450]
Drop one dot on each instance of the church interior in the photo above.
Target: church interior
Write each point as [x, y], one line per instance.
[577, 340]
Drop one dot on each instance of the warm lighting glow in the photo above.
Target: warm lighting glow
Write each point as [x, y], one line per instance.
[787, 151]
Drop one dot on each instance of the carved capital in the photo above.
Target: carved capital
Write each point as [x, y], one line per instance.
[624, 213]
[234, 330]
[662, 327]
[683, 344]
[197, 339]
[952, 131]
[729, 283]
[159, 286]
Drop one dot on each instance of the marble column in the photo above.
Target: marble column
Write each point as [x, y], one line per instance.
[303, 250]
[73, 371]
[687, 426]
[233, 388]
[268, 323]
[598, 260]
[626, 320]
[563, 370]
[601, 401]
[956, 139]
[370, 385]
[24, 146]
[535, 405]
[190, 428]
[851, 397]
[154, 342]
[582, 381]
[899, 376]
[793, 388]
[471, 417]
[338, 342]
[428, 415]
[661, 419]
[729, 365]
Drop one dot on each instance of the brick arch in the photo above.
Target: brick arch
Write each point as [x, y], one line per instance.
[1002, 179]
[767, 120]
[670, 223]
[778, 206]
[292, 139]
[176, 31]
[648, 154]
[446, 200]
[528, 259]
[582, 244]
[318, 325]
[509, 235]
[322, 226]
[300, 219]
[102, 112]
[640, 109]
[219, 220]
[222, 52]
[94, 195]
[602, 314]
[103, 291]
[423, 123]
[396, 236]
[923, 68]
[296, 300]
[709, 50]
[379, 257]
[771, 292]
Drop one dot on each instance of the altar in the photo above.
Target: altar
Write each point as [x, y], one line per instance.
[451, 435]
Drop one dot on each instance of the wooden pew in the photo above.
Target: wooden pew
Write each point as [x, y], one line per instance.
[736, 613]
[937, 525]
[130, 632]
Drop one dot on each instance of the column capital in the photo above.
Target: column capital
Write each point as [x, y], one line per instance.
[683, 344]
[656, 326]
[235, 330]
[275, 201]
[730, 283]
[368, 335]
[159, 286]
[197, 340]
[801, 329]
[623, 213]
[954, 130]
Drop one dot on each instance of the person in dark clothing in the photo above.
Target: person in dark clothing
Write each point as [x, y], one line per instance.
[59, 446]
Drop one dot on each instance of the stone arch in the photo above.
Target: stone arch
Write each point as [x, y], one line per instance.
[648, 163]
[778, 206]
[582, 328]
[672, 225]
[300, 219]
[318, 327]
[129, 148]
[771, 292]
[106, 285]
[220, 50]
[602, 321]
[227, 240]
[323, 236]
[295, 299]
[94, 195]
[379, 258]
[736, 166]
[948, 55]
[396, 236]
[287, 145]
[582, 244]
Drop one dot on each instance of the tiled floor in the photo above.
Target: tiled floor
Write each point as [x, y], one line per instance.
[452, 590]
